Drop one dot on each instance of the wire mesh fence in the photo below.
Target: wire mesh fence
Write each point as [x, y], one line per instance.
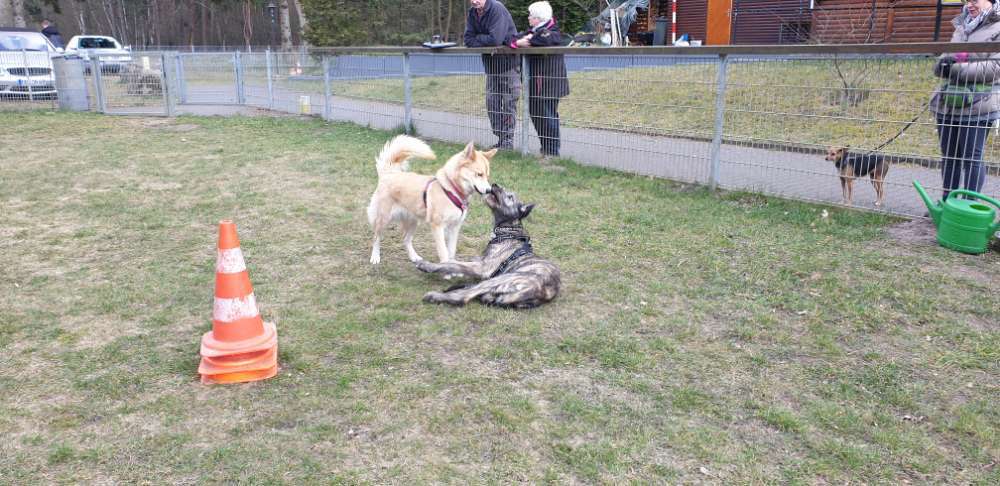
[842, 126]
[27, 80]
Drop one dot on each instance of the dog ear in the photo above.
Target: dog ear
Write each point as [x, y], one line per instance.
[525, 210]
[490, 154]
[470, 151]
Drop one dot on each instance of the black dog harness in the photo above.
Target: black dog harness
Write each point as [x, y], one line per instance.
[861, 164]
[504, 233]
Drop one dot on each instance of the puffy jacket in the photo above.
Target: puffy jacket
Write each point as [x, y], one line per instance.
[493, 28]
[547, 72]
[982, 68]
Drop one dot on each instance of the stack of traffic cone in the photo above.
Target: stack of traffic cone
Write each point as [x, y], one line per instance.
[241, 346]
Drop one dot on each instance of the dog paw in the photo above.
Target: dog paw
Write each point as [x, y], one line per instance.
[375, 259]
[423, 266]
[434, 297]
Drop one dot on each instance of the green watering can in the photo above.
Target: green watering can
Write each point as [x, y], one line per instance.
[965, 225]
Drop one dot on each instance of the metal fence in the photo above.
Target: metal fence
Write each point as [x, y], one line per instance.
[744, 118]
[26, 80]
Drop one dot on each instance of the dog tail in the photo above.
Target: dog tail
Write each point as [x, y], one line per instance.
[395, 155]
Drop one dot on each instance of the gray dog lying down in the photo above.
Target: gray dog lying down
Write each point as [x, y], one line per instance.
[510, 274]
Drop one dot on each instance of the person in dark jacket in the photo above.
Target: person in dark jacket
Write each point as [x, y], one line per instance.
[547, 81]
[50, 31]
[489, 24]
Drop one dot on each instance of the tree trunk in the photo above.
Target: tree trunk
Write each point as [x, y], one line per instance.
[303, 22]
[123, 32]
[204, 24]
[192, 25]
[447, 28]
[247, 23]
[286, 27]
[17, 9]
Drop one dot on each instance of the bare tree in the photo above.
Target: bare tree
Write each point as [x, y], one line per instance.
[286, 26]
[247, 22]
[853, 77]
[17, 9]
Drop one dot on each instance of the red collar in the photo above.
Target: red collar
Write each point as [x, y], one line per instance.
[459, 202]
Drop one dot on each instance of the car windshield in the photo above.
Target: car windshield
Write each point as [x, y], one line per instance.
[22, 41]
[97, 43]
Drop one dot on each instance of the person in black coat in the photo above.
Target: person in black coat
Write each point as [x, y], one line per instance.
[547, 81]
[489, 24]
[50, 31]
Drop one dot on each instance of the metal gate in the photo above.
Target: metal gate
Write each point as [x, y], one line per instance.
[208, 78]
[136, 84]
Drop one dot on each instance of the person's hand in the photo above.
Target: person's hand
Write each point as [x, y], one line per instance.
[524, 41]
[944, 66]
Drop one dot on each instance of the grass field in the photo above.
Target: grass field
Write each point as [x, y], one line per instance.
[699, 338]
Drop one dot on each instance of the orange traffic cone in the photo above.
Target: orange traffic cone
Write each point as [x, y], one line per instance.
[241, 346]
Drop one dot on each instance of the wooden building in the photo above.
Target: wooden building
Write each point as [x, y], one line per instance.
[721, 22]
[855, 21]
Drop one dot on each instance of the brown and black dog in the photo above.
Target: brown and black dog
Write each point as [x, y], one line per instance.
[509, 272]
[853, 165]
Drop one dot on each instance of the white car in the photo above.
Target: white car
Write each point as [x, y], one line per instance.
[26, 65]
[112, 55]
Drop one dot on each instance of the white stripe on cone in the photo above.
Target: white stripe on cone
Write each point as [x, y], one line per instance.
[230, 310]
[230, 261]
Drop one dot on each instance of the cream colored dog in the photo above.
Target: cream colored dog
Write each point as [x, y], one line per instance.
[441, 199]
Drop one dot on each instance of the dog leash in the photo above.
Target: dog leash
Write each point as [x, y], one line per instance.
[902, 130]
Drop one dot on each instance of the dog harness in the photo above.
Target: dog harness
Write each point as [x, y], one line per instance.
[459, 203]
[525, 249]
[860, 164]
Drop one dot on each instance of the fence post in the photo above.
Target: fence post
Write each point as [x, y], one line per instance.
[27, 74]
[270, 82]
[407, 94]
[95, 69]
[525, 90]
[720, 116]
[327, 98]
[238, 78]
[168, 102]
[181, 84]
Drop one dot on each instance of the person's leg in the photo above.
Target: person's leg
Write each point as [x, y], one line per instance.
[494, 104]
[537, 112]
[550, 139]
[951, 165]
[974, 142]
[511, 92]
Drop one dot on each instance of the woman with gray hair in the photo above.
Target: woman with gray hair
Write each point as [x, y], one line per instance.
[969, 101]
[547, 81]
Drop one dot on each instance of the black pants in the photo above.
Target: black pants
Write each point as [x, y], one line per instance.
[545, 117]
[502, 92]
[962, 145]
